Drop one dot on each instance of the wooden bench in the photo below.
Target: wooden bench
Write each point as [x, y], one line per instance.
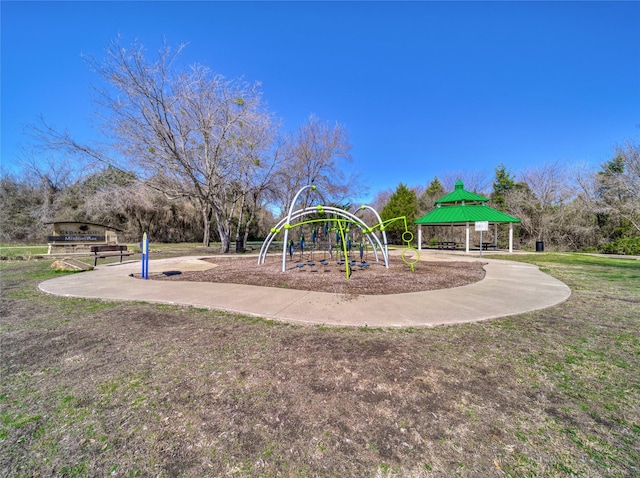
[102, 252]
[486, 245]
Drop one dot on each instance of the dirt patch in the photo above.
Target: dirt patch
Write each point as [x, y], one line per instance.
[373, 279]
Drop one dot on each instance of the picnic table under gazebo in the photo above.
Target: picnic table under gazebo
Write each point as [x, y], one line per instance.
[464, 208]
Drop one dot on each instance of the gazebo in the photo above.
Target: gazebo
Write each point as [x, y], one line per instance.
[462, 208]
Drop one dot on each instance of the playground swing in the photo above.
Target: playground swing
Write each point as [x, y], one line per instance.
[363, 256]
[291, 248]
[344, 256]
[340, 256]
[324, 260]
[310, 261]
[325, 244]
[302, 243]
[313, 248]
[307, 250]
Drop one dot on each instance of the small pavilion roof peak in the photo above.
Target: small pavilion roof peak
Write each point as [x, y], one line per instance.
[460, 196]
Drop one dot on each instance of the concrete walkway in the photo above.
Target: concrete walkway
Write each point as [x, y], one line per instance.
[508, 288]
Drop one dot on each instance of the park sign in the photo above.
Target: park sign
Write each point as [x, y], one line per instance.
[76, 237]
[480, 227]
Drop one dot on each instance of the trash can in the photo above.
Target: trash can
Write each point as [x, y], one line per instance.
[539, 246]
[240, 246]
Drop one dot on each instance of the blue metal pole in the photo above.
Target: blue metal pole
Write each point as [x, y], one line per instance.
[145, 256]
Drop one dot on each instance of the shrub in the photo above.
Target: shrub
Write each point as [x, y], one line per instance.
[624, 245]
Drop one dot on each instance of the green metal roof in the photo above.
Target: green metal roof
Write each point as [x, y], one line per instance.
[459, 195]
[464, 213]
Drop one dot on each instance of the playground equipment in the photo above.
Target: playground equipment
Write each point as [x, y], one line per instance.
[342, 221]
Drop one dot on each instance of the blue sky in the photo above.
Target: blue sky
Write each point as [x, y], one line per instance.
[424, 88]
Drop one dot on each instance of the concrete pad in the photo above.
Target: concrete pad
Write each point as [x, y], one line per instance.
[186, 264]
[71, 264]
[508, 288]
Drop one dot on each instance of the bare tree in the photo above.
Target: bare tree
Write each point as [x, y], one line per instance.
[315, 155]
[190, 134]
[612, 194]
[380, 200]
[19, 201]
[549, 183]
[545, 201]
[618, 185]
[475, 181]
[137, 209]
[51, 174]
[254, 185]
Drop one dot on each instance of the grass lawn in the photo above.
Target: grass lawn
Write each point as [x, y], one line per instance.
[20, 252]
[92, 388]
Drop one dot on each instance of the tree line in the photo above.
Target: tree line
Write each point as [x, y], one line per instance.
[566, 207]
[191, 156]
[56, 187]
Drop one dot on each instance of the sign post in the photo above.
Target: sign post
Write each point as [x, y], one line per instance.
[145, 256]
[482, 226]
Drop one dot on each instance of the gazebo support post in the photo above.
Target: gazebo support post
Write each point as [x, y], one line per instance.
[467, 241]
[510, 237]
[495, 236]
[419, 238]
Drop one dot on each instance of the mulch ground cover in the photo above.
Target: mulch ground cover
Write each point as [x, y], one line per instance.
[309, 274]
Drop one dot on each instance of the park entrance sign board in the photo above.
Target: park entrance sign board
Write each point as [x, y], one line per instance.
[78, 237]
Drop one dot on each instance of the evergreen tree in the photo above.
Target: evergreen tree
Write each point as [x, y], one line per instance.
[503, 183]
[427, 199]
[403, 202]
